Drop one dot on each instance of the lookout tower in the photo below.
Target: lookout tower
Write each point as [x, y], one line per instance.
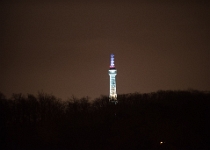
[112, 74]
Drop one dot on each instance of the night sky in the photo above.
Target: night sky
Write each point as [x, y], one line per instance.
[63, 47]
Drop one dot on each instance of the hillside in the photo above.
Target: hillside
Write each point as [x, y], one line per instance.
[159, 120]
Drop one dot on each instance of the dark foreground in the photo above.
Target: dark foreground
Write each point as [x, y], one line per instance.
[161, 120]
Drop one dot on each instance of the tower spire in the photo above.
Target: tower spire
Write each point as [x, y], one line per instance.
[112, 74]
[112, 62]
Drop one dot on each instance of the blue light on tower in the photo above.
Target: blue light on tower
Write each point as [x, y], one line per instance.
[112, 74]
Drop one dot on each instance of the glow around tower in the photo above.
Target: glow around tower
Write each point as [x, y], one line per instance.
[112, 74]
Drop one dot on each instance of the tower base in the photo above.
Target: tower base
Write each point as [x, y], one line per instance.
[115, 101]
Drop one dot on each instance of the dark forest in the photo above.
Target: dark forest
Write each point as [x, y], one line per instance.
[158, 120]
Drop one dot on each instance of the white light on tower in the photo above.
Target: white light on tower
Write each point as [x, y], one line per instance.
[112, 74]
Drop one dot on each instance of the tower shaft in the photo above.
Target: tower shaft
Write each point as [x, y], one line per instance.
[112, 74]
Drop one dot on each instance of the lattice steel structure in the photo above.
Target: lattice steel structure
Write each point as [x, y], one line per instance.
[112, 74]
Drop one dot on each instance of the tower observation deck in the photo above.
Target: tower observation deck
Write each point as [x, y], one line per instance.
[112, 74]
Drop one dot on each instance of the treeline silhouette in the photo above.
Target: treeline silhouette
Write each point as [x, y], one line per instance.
[158, 120]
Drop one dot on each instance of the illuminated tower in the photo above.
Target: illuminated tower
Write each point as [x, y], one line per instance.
[112, 74]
